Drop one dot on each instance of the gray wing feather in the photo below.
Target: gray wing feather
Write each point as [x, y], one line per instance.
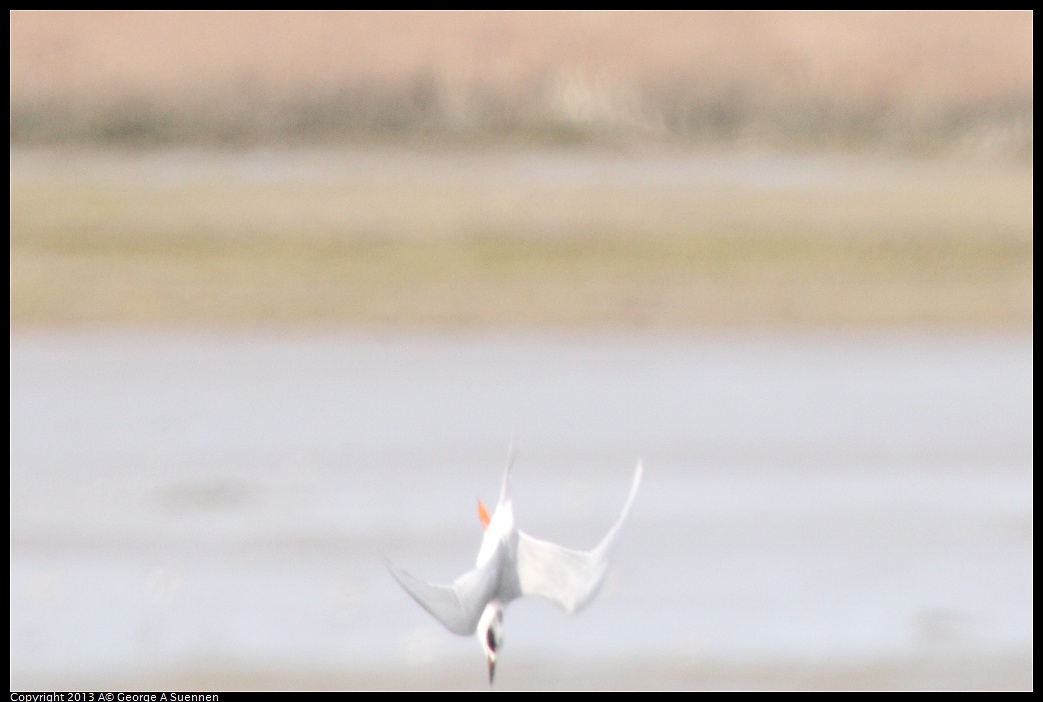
[458, 606]
[567, 577]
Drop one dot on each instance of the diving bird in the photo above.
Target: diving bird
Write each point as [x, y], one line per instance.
[512, 564]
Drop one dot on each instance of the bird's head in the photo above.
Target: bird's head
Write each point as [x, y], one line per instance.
[490, 634]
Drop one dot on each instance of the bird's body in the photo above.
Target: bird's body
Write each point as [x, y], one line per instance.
[512, 564]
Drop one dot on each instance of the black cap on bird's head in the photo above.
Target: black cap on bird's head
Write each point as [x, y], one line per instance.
[490, 633]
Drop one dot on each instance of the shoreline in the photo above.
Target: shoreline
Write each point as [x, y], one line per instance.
[517, 239]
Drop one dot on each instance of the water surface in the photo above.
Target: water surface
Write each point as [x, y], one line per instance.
[208, 510]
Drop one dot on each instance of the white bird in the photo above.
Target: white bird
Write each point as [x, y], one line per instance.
[512, 564]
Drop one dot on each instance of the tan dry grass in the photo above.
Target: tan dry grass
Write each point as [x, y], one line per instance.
[805, 76]
[950, 247]
[857, 55]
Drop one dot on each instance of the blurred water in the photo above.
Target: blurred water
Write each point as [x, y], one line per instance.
[192, 501]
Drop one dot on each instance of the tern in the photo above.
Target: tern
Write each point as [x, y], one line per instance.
[512, 564]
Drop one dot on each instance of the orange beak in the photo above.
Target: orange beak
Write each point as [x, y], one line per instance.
[483, 515]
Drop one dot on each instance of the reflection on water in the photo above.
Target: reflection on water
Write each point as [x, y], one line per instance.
[207, 509]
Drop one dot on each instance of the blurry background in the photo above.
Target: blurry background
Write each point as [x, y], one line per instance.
[284, 284]
[865, 78]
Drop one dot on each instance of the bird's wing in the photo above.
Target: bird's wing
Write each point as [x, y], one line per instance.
[458, 606]
[567, 577]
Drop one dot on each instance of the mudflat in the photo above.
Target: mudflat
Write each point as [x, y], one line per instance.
[393, 237]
